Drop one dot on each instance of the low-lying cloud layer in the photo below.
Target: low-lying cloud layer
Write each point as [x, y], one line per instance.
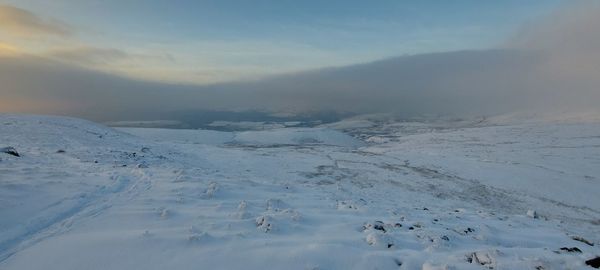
[550, 65]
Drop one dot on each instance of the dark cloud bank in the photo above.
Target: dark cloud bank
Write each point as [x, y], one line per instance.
[551, 65]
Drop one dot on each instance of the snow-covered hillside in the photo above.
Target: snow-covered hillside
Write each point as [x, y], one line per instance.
[403, 196]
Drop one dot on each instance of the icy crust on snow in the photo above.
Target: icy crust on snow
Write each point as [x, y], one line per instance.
[83, 196]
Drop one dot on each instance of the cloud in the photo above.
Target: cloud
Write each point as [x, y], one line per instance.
[68, 89]
[20, 22]
[549, 66]
[9, 50]
[457, 83]
[552, 64]
[572, 28]
[453, 83]
[570, 39]
[87, 55]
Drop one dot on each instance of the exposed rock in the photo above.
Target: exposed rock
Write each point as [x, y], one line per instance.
[378, 225]
[572, 249]
[482, 258]
[264, 223]
[10, 150]
[532, 214]
[379, 240]
[595, 262]
[142, 165]
[583, 240]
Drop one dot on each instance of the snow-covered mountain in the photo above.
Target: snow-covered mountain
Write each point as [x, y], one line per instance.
[352, 195]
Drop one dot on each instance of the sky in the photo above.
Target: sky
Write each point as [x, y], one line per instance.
[204, 42]
[148, 60]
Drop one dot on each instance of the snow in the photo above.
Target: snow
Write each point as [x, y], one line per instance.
[297, 136]
[183, 136]
[272, 137]
[406, 195]
[245, 125]
[147, 124]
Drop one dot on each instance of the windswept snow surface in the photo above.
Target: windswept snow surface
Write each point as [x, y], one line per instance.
[403, 196]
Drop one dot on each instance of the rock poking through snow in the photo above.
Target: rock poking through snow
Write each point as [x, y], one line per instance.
[10, 150]
[532, 214]
[264, 223]
[595, 262]
[583, 240]
[482, 257]
[571, 249]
